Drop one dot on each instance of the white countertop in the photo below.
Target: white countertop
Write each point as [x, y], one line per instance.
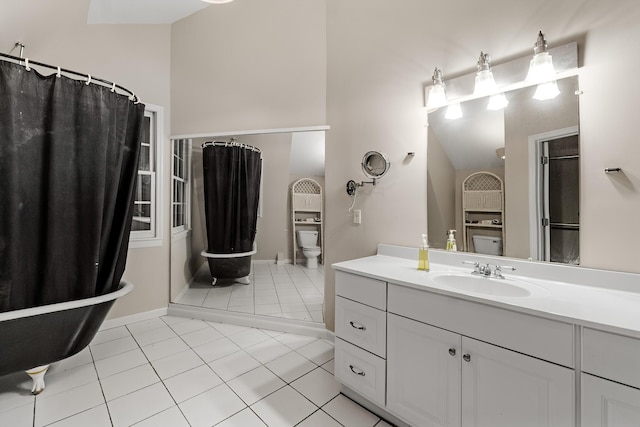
[601, 308]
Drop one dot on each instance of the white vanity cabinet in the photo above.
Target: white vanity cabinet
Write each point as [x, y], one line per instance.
[610, 379]
[436, 377]
[361, 335]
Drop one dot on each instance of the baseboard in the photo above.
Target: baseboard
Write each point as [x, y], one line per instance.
[138, 317]
[372, 407]
[293, 326]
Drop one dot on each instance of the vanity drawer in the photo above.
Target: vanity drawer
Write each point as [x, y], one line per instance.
[543, 338]
[361, 371]
[362, 289]
[361, 325]
[611, 356]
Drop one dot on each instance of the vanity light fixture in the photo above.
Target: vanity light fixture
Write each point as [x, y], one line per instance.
[486, 84]
[437, 96]
[454, 111]
[541, 70]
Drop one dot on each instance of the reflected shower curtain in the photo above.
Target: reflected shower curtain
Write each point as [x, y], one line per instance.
[68, 164]
[231, 192]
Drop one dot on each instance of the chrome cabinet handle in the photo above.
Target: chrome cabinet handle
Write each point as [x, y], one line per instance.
[357, 326]
[452, 351]
[356, 371]
[467, 357]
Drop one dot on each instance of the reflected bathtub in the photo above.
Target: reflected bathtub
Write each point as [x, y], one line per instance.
[33, 338]
[235, 266]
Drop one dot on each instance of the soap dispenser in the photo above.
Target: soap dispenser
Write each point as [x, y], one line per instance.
[423, 254]
[451, 241]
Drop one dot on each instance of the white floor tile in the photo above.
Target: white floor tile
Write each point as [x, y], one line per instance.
[317, 316]
[234, 365]
[249, 309]
[177, 363]
[110, 335]
[294, 341]
[319, 419]
[120, 362]
[268, 350]
[330, 367]
[61, 381]
[319, 386]
[191, 383]
[290, 300]
[383, 423]
[272, 333]
[146, 325]
[211, 407]
[111, 348]
[171, 417]
[293, 308]
[256, 384]
[319, 351]
[79, 359]
[216, 302]
[290, 366]
[190, 325]
[62, 405]
[302, 315]
[15, 391]
[128, 381]
[164, 348]
[267, 300]
[284, 408]
[154, 335]
[201, 336]
[22, 416]
[249, 337]
[172, 320]
[269, 309]
[140, 405]
[239, 301]
[244, 418]
[216, 349]
[349, 413]
[194, 297]
[94, 417]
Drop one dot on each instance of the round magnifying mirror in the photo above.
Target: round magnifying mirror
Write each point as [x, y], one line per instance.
[375, 164]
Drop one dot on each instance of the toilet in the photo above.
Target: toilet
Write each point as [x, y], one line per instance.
[308, 241]
[488, 245]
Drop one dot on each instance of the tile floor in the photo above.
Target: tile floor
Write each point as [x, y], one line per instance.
[287, 291]
[175, 372]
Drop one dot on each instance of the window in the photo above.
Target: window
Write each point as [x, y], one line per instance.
[146, 224]
[181, 185]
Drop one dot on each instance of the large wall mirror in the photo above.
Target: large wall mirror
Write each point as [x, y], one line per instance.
[278, 288]
[508, 180]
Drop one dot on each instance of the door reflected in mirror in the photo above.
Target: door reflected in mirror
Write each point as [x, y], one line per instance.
[539, 218]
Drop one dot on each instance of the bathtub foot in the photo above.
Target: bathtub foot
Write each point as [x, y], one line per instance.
[213, 281]
[244, 280]
[37, 375]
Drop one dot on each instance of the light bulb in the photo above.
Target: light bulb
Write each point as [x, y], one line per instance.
[548, 90]
[453, 112]
[497, 102]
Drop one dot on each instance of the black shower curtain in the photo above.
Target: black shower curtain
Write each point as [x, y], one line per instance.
[231, 194]
[68, 164]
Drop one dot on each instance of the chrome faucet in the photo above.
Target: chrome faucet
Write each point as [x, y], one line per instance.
[487, 270]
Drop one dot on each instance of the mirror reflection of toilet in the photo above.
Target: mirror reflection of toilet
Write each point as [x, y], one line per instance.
[308, 241]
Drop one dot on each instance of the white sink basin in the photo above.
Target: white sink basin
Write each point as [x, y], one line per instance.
[477, 284]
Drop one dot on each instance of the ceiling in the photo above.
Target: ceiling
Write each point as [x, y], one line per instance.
[141, 11]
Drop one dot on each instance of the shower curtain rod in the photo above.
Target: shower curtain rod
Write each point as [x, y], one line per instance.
[90, 79]
[230, 143]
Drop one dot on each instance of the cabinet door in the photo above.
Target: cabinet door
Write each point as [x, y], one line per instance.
[504, 388]
[608, 404]
[423, 373]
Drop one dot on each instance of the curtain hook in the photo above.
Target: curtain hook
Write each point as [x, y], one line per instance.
[113, 87]
[88, 79]
[26, 64]
[58, 74]
[132, 97]
[137, 101]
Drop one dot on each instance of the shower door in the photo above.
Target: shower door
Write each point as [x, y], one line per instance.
[560, 200]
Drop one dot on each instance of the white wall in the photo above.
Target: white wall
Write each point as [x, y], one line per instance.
[134, 56]
[250, 64]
